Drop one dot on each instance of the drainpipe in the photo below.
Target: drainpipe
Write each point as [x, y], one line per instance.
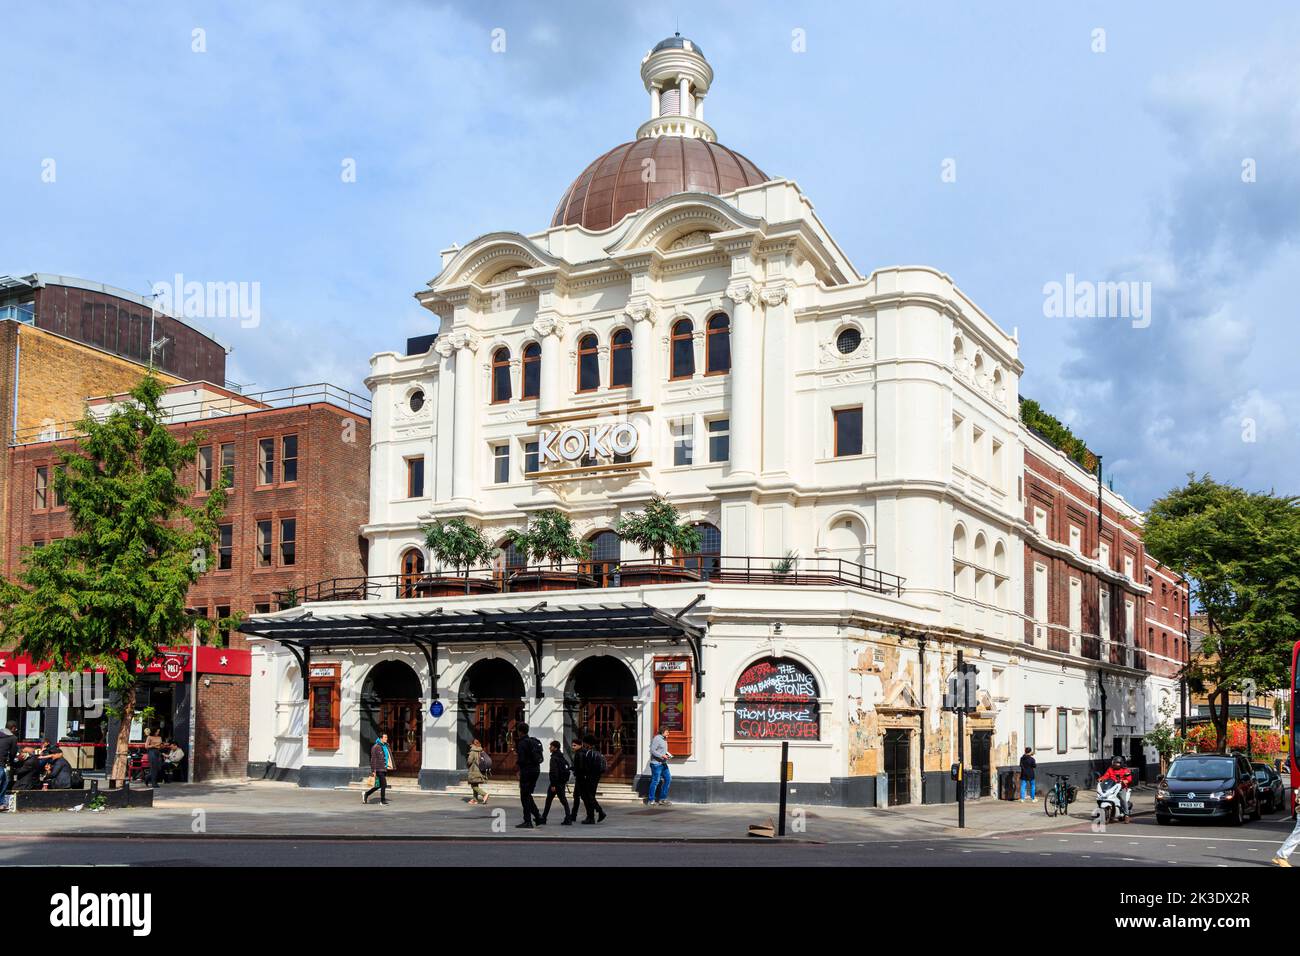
[1100, 518]
[920, 650]
[1104, 710]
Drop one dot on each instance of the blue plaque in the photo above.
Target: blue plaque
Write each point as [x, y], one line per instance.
[436, 708]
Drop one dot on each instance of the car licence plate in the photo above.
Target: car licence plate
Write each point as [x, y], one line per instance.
[1184, 805]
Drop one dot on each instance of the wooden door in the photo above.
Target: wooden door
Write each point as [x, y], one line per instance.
[402, 721]
[494, 724]
[898, 766]
[613, 722]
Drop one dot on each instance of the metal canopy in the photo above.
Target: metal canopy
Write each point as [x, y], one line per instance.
[311, 631]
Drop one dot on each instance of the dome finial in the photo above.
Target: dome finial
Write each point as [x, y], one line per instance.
[677, 77]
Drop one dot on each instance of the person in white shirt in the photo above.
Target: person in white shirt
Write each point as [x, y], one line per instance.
[659, 757]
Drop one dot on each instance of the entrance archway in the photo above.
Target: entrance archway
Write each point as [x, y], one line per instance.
[491, 705]
[390, 703]
[600, 699]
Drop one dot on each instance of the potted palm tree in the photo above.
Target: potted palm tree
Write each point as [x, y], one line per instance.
[657, 529]
[461, 546]
[549, 538]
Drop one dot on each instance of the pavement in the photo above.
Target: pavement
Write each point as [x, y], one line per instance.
[282, 811]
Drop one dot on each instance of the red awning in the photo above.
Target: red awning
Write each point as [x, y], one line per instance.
[212, 660]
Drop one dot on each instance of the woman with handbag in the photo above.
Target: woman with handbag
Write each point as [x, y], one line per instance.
[381, 761]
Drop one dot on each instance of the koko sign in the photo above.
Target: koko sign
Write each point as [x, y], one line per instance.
[596, 441]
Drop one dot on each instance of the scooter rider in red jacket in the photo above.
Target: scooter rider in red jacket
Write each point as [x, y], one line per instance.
[1124, 777]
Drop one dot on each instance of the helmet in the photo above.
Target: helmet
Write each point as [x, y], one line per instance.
[1117, 762]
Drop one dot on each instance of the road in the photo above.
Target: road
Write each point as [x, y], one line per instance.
[1141, 843]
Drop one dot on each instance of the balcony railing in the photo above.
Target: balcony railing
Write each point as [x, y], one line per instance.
[826, 572]
[18, 313]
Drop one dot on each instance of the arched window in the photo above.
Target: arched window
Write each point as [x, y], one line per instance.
[717, 345]
[958, 352]
[777, 699]
[588, 363]
[501, 375]
[983, 580]
[962, 573]
[412, 571]
[705, 562]
[605, 554]
[683, 349]
[620, 359]
[1000, 567]
[532, 370]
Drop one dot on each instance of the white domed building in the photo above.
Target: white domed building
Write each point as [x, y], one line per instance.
[846, 445]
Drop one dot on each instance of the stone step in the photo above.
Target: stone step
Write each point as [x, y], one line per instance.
[505, 789]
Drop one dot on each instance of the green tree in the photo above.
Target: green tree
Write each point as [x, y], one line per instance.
[658, 528]
[458, 544]
[1240, 552]
[1164, 738]
[112, 593]
[550, 538]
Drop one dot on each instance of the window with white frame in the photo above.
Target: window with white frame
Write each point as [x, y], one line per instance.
[1103, 612]
[958, 445]
[1062, 730]
[683, 431]
[1040, 593]
[1129, 612]
[1103, 554]
[1076, 606]
[719, 439]
[996, 477]
[977, 451]
[501, 463]
[1076, 539]
[1128, 566]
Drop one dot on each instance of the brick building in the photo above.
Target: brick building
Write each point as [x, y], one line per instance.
[297, 462]
[1093, 595]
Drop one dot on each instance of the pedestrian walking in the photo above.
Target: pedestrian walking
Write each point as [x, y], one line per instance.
[153, 747]
[528, 751]
[381, 761]
[8, 753]
[579, 775]
[1288, 846]
[593, 765]
[1027, 765]
[559, 779]
[480, 765]
[660, 777]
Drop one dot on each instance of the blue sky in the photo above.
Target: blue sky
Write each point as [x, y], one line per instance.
[226, 166]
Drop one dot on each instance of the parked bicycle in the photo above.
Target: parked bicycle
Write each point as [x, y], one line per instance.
[1056, 802]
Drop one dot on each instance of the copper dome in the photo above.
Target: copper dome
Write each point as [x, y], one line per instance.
[611, 187]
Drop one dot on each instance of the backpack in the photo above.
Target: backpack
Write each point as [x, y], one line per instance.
[563, 776]
[484, 763]
[596, 763]
[534, 751]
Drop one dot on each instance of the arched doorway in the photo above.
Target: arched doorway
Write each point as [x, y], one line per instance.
[600, 699]
[390, 703]
[491, 705]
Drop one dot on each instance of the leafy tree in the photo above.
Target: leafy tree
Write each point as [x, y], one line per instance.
[458, 543]
[550, 538]
[658, 528]
[1164, 738]
[1240, 552]
[112, 593]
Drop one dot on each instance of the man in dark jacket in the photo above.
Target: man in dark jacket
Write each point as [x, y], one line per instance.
[27, 771]
[575, 761]
[8, 751]
[528, 751]
[559, 779]
[380, 758]
[1027, 781]
[58, 772]
[593, 765]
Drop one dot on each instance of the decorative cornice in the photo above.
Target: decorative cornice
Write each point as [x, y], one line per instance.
[454, 341]
[641, 309]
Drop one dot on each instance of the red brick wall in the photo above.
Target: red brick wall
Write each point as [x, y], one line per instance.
[221, 736]
[1067, 501]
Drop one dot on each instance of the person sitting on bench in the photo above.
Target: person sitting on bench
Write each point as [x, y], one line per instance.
[58, 772]
[27, 770]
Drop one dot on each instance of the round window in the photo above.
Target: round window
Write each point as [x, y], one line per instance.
[848, 341]
[416, 400]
